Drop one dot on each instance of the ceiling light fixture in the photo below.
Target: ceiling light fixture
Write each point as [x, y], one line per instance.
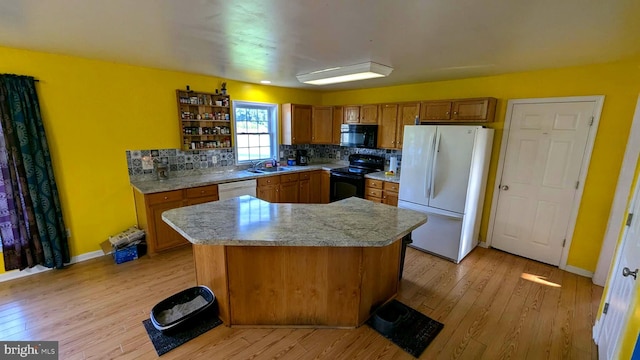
[265, 82]
[340, 74]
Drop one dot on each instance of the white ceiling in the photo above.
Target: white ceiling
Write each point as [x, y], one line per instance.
[253, 40]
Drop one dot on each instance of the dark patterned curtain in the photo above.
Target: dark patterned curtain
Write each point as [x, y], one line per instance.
[31, 225]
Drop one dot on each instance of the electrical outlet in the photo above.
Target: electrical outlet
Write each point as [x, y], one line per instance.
[214, 159]
[338, 154]
[281, 154]
[68, 233]
[147, 163]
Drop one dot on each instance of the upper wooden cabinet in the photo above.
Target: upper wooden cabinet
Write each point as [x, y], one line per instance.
[322, 125]
[462, 110]
[361, 114]
[407, 114]
[337, 122]
[388, 126]
[296, 124]
[393, 118]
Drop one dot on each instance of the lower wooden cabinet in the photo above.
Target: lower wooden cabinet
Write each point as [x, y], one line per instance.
[289, 192]
[149, 209]
[269, 189]
[304, 187]
[385, 192]
[325, 187]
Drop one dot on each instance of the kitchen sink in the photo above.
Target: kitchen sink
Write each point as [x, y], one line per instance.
[269, 170]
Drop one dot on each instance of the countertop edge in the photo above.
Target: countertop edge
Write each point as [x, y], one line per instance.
[186, 182]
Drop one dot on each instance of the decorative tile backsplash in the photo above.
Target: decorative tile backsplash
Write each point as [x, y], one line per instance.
[194, 162]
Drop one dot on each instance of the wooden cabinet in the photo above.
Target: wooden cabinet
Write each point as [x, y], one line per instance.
[393, 118]
[351, 114]
[337, 122]
[390, 193]
[304, 187]
[325, 186]
[361, 114]
[407, 113]
[311, 187]
[296, 124]
[205, 120]
[461, 110]
[269, 189]
[322, 125]
[202, 194]
[388, 126]
[385, 192]
[289, 192]
[149, 209]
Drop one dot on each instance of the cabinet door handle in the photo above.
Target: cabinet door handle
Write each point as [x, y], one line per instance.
[166, 198]
[455, 113]
[447, 113]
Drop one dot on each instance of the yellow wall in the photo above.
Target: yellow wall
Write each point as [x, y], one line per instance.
[620, 83]
[94, 111]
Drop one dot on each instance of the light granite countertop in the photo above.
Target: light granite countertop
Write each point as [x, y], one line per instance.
[248, 221]
[381, 176]
[217, 177]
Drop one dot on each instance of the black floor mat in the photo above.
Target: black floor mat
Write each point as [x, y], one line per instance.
[167, 342]
[414, 333]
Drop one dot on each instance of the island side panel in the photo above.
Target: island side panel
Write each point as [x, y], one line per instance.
[303, 286]
[380, 277]
[211, 271]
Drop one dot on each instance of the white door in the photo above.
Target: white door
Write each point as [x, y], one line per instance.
[451, 166]
[545, 146]
[622, 286]
[417, 155]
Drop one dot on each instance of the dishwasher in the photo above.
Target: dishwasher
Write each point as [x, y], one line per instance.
[237, 188]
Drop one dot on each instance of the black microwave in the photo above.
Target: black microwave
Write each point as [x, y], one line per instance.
[356, 135]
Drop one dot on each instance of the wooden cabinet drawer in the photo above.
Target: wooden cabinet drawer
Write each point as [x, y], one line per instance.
[202, 191]
[164, 197]
[288, 178]
[373, 192]
[391, 186]
[305, 175]
[270, 180]
[376, 184]
[373, 198]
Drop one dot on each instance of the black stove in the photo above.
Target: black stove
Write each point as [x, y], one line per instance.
[349, 181]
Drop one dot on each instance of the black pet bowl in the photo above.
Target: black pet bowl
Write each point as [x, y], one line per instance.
[387, 318]
[183, 297]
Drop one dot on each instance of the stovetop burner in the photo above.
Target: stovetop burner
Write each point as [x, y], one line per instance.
[361, 164]
[353, 170]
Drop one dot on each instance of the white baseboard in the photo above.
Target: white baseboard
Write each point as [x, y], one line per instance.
[15, 274]
[578, 271]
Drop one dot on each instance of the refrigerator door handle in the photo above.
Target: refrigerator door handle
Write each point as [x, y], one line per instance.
[434, 166]
[429, 168]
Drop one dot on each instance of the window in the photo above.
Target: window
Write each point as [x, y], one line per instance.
[256, 135]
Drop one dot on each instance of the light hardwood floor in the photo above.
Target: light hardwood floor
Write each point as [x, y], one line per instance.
[95, 310]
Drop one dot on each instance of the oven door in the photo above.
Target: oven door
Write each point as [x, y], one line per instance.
[345, 186]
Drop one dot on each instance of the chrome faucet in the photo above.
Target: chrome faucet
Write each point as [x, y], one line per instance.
[254, 165]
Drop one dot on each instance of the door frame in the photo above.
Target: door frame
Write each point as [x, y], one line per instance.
[619, 205]
[584, 167]
[634, 194]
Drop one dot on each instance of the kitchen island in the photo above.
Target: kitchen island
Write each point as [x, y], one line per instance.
[296, 264]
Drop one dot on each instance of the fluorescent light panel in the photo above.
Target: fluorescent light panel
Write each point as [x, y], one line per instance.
[362, 71]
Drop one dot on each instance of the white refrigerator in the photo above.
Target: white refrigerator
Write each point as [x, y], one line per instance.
[444, 175]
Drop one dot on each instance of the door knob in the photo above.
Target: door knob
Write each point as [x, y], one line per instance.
[504, 187]
[626, 272]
